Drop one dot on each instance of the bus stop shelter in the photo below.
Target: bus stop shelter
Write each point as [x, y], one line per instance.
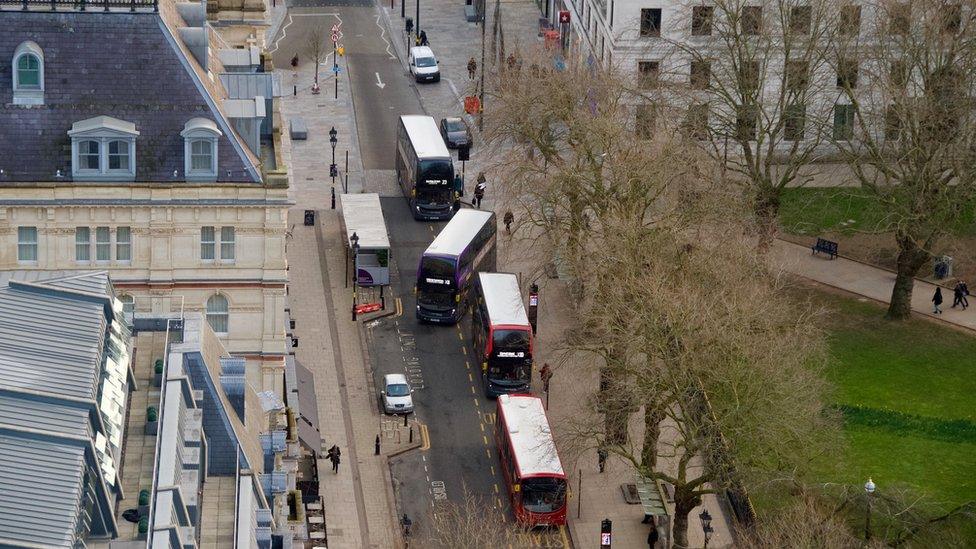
[362, 216]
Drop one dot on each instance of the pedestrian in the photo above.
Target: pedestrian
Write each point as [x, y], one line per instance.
[965, 294]
[479, 190]
[937, 300]
[423, 38]
[472, 68]
[546, 374]
[294, 61]
[508, 219]
[652, 537]
[957, 295]
[459, 184]
[601, 456]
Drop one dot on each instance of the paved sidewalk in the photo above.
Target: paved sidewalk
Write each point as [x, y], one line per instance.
[866, 280]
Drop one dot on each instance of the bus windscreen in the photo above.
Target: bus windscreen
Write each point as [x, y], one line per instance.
[543, 495]
[435, 182]
[435, 284]
[511, 360]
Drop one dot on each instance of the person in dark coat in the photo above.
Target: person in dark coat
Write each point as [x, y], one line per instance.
[508, 220]
[957, 295]
[652, 538]
[937, 300]
[479, 190]
[472, 68]
[965, 294]
[423, 38]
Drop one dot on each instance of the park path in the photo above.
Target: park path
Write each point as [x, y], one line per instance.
[865, 280]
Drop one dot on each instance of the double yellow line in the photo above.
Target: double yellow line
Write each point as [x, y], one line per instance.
[399, 307]
[424, 437]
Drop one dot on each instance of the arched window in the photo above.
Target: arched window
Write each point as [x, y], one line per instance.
[200, 137]
[28, 74]
[217, 313]
[128, 307]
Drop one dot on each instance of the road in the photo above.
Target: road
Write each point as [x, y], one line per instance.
[449, 398]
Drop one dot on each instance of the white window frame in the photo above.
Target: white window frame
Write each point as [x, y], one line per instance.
[200, 129]
[232, 244]
[103, 244]
[29, 94]
[216, 314]
[26, 244]
[86, 245]
[103, 130]
[211, 242]
[119, 243]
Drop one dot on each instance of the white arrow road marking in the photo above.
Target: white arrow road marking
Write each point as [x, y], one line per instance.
[379, 82]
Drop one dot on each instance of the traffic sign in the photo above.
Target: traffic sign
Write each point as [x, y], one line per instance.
[335, 27]
[335, 38]
[336, 69]
[564, 16]
[341, 50]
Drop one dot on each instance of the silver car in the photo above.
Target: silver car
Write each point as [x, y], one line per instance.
[396, 394]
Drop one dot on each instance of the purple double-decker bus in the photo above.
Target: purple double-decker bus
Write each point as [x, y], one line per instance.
[465, 246]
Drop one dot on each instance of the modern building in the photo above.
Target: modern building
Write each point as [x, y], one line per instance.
[64, 388]
[125, 145]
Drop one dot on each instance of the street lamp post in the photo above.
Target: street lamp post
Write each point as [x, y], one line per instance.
[333, 170]
[707, 531]
[869, 488]
[354, 239]
[417, 22]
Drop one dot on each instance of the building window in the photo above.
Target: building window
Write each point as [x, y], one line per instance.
[218, 313]
[749, 77]
[82, 244]
[850, 20]
[103, 149]
[28, 74]
[207, 243]
[800, 17]
[89, 155]
[797, 76]
[701, 20]
[847, 73]
[701, 75]
[696, 123]
[648, 73]
[27, 244]
[123, 244]
[899, 18]
[118, 155]
[794, 123]
[227, 243]
[751, 20]
[128, 307]
[200, 137]
[650, 22]
[644, 121]
[103, 244]
[843, 122]
[746, 122]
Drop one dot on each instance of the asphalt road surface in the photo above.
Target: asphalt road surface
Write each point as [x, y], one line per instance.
[449, 398]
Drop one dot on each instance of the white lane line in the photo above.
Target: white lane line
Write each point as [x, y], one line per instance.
[383, 36]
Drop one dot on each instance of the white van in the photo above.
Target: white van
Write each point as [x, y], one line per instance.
[423, 64]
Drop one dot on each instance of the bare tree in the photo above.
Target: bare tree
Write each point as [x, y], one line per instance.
[906, 125]
[315, 48]
[752, 76]
[471, 523]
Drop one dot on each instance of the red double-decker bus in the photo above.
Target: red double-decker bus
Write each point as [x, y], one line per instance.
[529, 461]
[501, 335]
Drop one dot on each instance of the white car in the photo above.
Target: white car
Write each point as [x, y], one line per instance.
[423, 64]
[396, 394]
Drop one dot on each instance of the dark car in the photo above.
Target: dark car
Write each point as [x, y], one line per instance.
[455, 133]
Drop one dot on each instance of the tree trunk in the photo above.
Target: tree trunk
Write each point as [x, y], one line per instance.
[685, 502]
[911, 258]
[766, 212]
[652, 431]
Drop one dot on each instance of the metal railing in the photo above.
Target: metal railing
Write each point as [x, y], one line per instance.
[80, 5]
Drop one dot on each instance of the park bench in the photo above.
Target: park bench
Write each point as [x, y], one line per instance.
[825, 246]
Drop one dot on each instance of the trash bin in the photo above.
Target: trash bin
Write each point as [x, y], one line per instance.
[943, 267]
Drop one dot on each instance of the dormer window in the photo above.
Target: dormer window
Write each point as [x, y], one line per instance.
[28, 74]
[200, 137]
[103, 149]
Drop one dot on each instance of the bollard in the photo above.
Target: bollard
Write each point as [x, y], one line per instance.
[296, 90]
[404, 420]
[411, 435]
[333, 202]
[377, 445]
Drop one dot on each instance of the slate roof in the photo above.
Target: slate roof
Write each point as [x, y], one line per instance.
[123, 65]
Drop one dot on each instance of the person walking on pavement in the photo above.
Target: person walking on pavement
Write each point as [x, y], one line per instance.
[937, 300]
[652, 537]
[334, 454]
[472, 68]
[508, 219]
[546, 374]
[479, 190]
[601, 457]
[965, 294]
[423, 38]
[957, 295]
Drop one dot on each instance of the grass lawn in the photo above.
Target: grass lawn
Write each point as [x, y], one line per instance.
[903, 370]
[814, 211]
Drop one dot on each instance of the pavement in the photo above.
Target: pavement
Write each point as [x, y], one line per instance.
[865, 280]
